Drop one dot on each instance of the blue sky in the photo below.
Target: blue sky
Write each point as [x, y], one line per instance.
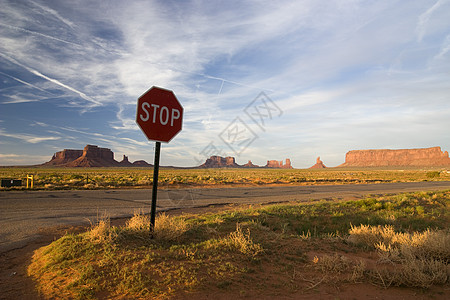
[258, 80]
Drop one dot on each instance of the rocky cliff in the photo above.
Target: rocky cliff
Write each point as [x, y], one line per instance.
[64, 157]
[125, 162]
[141, 163]
[278, 164]
[90, 156]
[319, 164]
[250, 165]
[230, 162]
[404, 157]
[94, 156]
[220, 162]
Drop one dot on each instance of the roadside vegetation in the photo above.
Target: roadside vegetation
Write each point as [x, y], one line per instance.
[107, 178]
[276, 250]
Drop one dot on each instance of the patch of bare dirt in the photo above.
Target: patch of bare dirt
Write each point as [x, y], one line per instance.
[14, 282]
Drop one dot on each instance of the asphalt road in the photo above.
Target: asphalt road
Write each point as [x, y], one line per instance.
[23, 214]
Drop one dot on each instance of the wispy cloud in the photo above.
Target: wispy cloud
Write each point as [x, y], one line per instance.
[424, 19]
[55, 81]
[444, 49]
[28, 138]
[40, 34]
[15, 99]
[54, 13]
[336, 69]
[109, 139]
[21, 159]
[24, 82]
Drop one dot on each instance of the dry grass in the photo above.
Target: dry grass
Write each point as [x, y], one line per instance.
[242, 242]
[103, 178]
[339, 267]
[101, 232]
[139, 222]
[334, 263]
[418, 259]
[394, 246]
[170, 228]
[138, 227]
[253, 248]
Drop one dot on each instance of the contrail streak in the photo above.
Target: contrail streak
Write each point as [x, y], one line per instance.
[54, 13]
[55, 81]
[24, 82]
[40, 34]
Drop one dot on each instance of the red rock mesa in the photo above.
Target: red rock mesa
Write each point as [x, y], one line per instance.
[90, 156]
[220, 162]
[230, 162]
[279, 164]
[404, 157]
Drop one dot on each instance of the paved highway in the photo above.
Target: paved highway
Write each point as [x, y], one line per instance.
[24, 213]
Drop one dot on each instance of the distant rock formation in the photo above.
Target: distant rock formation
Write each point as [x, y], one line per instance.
[278, 164]
[404, 157]
[94, 156]
[319, 164]
[230, 162]
[250, 165]
[125, 162]
[142, 163]
[220, 162]
[63, 157]
[90, 156]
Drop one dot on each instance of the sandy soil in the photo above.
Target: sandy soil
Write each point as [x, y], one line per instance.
[310, 284]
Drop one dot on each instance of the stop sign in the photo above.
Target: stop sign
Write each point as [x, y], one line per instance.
[159, 114]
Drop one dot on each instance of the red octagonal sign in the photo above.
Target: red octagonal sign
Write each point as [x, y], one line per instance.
[159, 114]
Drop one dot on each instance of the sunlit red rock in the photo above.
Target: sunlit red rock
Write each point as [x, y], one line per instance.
[319, 164]
[429, 157]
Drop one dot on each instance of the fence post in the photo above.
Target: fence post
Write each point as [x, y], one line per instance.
[30, 180]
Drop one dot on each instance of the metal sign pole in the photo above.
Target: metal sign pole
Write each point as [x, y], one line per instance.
[155, 185]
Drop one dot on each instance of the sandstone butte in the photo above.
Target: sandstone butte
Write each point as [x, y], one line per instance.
[94, 156]
[90, 156]
[319, 164]
[230, 162]
[423, 157]
[279, 164]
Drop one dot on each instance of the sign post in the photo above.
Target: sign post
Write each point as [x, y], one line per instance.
[160, 117]
[155, 184]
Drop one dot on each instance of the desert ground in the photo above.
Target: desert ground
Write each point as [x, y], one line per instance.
[288, 258]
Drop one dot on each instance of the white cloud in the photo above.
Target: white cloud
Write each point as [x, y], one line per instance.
[14, 99]
[28, 138]
[47, 10]
[24, 82]
[444, 49]
[10, 159]
[40, 34]
[55, 81]
[424, 19]
[335, 68]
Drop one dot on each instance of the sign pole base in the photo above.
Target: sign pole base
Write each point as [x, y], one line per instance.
[155, 186]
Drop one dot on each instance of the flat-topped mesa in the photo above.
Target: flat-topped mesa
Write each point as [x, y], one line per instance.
[220, 162]
[92, 151]
[229, 162]
[94, 156]
[423, 157]
[90, 156]
[279, 164]
[63, 157]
